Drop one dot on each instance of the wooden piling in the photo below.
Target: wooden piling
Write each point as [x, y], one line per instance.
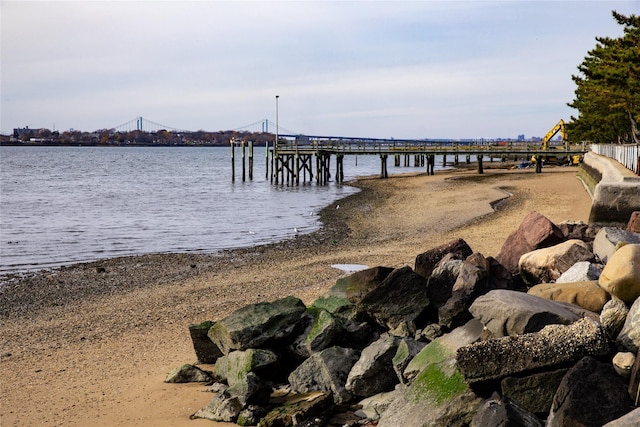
[480, 170]
[383, 166]
[242, 144]
[251, 160]
[233, 161]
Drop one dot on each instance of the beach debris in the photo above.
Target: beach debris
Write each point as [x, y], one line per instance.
[428, 346]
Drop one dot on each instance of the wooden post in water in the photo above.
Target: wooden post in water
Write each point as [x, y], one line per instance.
[468, 159]
[266, 162]
[242, 144]
[383, 166]
[251, 160]
[444, 160]
[339, 168]
[480, 170]
[233, 160]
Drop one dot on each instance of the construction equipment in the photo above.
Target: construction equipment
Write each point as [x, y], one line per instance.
[559, 127]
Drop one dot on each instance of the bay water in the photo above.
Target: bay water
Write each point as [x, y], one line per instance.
[63, 205]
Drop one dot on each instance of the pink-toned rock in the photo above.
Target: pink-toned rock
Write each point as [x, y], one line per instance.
[588, 295]
[536, 231]
[634, 222]
[621, 275]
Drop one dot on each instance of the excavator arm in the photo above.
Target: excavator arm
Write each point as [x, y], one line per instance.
[559, 127]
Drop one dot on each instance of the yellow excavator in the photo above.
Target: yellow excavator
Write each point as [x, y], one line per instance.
[559, 127]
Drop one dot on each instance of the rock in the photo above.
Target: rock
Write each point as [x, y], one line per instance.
[535, 232]
[220, 408]
[188, 374]
[206, 351]
[547, 264]
[609, 239]
[250, 390]
[251, 415]
[373, 372]
[443, 348]
[373, 407]
[407, 350]
[358, 284]
[623, 362]
[235, 366]
[402, 296]
[325, 371]
[590, 394]
[441, 281]
[322, 332]
[533, 392]
[629, 336]
[553, 346]
[634, 381]
[426, 262]
[621, 275]
[502, 411]
[472, 282]
[295, 413]
[613, 315]
[633, 225]
[632, 419]
[583, 271]
[404, 330]
[506, 313]
[579, 230]
[588, 295]
[258, 324]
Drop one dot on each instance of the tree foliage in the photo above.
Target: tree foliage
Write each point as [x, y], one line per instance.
[607, 94]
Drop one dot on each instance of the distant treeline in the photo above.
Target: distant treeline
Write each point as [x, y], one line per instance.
[26, 136]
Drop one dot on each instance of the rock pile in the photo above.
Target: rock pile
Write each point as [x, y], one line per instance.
[547, 333]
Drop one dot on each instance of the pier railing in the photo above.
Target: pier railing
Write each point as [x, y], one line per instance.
[627, 154]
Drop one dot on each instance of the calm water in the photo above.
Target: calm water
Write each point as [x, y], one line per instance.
[61, 205]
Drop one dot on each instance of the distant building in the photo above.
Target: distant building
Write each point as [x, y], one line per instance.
[521, 137]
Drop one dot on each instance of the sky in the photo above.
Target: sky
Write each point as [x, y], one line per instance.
[378, 69]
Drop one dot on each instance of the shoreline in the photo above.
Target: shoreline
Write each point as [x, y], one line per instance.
[92, 344]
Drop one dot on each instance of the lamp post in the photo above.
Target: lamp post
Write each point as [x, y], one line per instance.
[276, 143]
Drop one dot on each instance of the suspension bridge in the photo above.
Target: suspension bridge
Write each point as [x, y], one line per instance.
[145, 125]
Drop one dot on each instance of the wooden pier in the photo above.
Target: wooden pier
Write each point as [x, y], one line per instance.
[291, 162]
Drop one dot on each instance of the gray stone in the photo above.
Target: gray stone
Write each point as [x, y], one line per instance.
[441, 281]
[373, 372]
[206, 351]
[609, 239]
[322, 333]
[632, 419]
[502, 411]
[373, 407]
[553, 346]
[535, 232]
[547, 264]
[325, 371]
[298, 411]
[220, 408]
[590, 394]
[251, 415]
[258, 324]
[613, 315]
[582, 271]
[236, 365]
[188, 374]
[250, 390]
[623, 362]
[356, 285]
[470, 284]
[505, 312]
[407, 350]
[533, 392]
[629, 337]
[402, 296]
[427, 261]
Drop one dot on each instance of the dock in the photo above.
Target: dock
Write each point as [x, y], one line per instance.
[294, 159]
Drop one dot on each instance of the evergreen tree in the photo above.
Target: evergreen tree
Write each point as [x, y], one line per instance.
[608, 88]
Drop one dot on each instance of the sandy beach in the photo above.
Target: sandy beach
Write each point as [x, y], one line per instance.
[91, 344]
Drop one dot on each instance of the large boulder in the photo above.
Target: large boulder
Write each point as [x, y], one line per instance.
[609, 239]
[472, 281]
[552, 347]
[222, 407]
[402, 296]
[502, 411]
[579, 230]
[325, 371]
[621, 275]
[588, 295]
[632, 419]
[583, 271]
[441, 281]
[298, 411]
[373, 373]
[427, 261]
[536, 231]
[206, 351]
[356, 285]
[590, 394]
[534, 392]
[188, 374]
[506, 313]
[258, 324]
[406, 352]
[629, 337]
[547, 264]
[236, 365]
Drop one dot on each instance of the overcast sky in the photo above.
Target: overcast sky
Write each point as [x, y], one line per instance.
[420, 69]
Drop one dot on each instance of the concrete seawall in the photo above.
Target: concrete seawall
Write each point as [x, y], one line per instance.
[614, 189]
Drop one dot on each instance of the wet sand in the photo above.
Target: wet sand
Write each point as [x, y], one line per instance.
[91, 344]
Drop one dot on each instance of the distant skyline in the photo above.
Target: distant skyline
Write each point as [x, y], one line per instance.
[419, 69]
